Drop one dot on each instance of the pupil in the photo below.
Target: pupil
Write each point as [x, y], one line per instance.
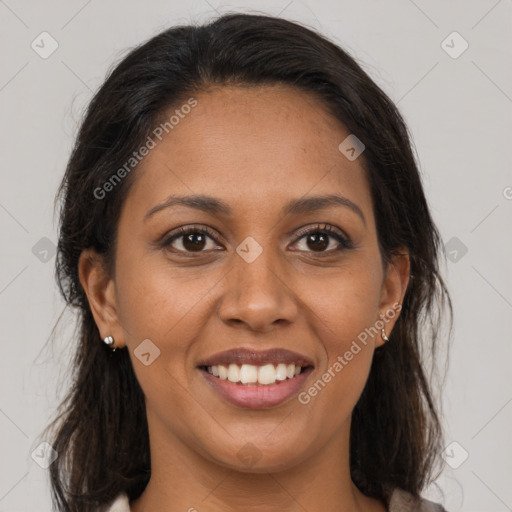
[315, 238]
[193, 241]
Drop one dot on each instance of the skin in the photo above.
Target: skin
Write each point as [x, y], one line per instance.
[255, 148]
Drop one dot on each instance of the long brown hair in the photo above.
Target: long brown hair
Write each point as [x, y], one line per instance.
[100, 431]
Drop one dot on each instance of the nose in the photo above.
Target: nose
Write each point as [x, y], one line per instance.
[258, 295]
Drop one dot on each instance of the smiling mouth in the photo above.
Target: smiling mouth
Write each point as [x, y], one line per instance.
[254, 375]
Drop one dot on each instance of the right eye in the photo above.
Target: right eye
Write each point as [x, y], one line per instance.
[190, 240]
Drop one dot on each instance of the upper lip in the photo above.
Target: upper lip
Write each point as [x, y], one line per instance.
[256, 357]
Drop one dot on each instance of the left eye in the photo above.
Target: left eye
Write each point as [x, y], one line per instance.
[319, 239]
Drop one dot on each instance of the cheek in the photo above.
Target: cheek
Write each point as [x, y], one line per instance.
[169, 308]
[345, 304]
[346, 331]
[344, 311]
[155, 300]
[155, 304]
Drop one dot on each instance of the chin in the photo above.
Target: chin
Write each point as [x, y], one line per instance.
[259, 458]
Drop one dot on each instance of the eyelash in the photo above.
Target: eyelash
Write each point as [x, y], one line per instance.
[345, 242]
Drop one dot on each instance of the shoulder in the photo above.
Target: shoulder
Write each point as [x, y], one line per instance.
[120, 504]
[402, 501]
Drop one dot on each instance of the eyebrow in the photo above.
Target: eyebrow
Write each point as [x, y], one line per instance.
[209, 204]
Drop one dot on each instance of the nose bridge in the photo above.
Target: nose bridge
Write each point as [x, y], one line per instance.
[258, 293]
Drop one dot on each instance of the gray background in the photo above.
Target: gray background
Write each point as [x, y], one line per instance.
[458, 110]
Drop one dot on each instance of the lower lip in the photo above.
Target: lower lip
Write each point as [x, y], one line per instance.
[257, 396]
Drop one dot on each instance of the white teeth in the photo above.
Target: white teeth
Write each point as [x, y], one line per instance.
[248, 374]
[223, 372]
[267, 374]
[233, 373]
[281, 372]
[251, 374]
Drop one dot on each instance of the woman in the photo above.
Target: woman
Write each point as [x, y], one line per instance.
[246, 239]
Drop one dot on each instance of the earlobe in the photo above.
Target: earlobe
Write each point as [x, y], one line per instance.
[100, 290]
[393, 291]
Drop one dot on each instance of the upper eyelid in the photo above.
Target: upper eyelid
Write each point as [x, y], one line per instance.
[322, 226]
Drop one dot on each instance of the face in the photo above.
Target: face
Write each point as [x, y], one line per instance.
[259, 274]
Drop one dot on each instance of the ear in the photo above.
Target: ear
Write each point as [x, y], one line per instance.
[394, 287]
[101, 294]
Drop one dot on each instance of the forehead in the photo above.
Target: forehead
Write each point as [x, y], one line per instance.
[253, 147]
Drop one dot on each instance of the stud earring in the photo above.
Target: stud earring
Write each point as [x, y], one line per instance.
[109, 340]
[384, 337]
